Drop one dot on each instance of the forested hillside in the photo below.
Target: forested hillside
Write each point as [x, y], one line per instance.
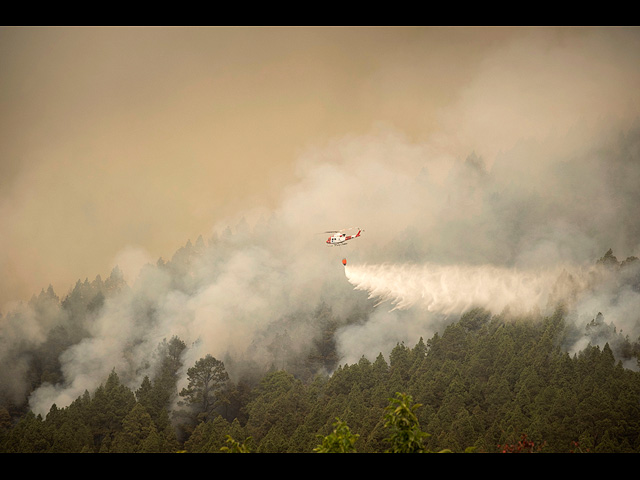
[483, 178]
[482, 383]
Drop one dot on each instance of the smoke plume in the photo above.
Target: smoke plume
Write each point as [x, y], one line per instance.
[530, 176]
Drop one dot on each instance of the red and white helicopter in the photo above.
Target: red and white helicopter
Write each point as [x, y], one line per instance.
[339, 238]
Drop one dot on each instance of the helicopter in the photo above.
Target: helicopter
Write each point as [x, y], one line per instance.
[339, 238]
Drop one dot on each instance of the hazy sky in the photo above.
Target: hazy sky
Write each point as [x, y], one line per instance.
[148, 137]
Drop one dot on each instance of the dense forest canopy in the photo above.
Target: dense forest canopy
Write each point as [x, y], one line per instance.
[481, 383]
[246, 336]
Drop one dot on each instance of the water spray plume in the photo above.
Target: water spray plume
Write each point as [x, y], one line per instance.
[453, 289]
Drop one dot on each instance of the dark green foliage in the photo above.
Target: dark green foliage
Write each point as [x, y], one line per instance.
[341, 440]
[486, 382]
[482, 384]
[401, 420]
[207, 380]
[110, 421]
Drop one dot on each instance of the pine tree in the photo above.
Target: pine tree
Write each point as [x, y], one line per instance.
[111, 403]
[138, 433]
[207, 379]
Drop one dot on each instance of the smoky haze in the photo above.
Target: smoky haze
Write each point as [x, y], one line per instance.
[515, 149]
[118, 138]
